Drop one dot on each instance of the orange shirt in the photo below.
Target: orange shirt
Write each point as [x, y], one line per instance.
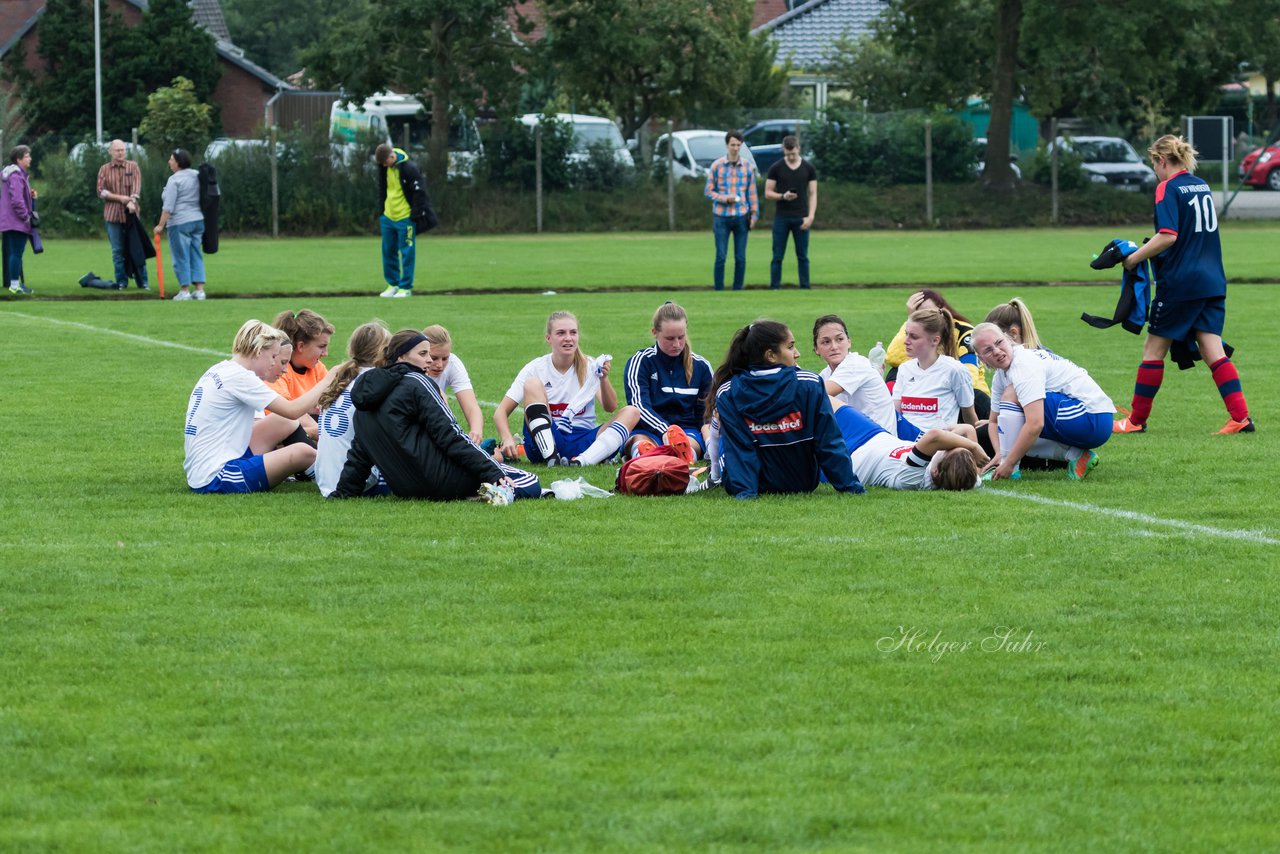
[294, 384]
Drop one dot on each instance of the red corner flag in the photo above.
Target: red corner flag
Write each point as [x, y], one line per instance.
[159, 267]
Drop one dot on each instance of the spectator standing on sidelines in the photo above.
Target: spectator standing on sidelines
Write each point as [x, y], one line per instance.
[735, 207]
[120, 188]
[17, 214]
[402, 194]
[793, 183]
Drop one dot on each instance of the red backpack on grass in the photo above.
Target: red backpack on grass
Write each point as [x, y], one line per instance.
[661, 471]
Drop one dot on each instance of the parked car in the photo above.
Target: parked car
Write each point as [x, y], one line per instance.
[101, 150]
[1110, 160]
[223, 144]
[588, 131]
[694, 152]
[765, 140]
[1261, 168]
[981, 166]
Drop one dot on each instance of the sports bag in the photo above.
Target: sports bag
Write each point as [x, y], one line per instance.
[661, 471]
[210, 200]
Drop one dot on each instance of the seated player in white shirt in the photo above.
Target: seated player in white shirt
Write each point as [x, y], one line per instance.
[451, 375]
[933, 389]
[1042, 405]
[560, 391]
[337, 412]
[851, 378]
[226, 450]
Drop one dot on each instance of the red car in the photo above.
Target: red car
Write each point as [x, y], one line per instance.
[1261, 168]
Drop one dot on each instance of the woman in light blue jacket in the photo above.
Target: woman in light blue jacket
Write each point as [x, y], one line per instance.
[182, 216]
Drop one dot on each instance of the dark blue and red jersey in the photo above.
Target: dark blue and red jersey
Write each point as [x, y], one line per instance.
[656, 385]
[1192, 267]
[777, 431]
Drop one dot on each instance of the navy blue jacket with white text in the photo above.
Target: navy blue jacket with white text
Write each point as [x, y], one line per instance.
[776, 431]
[657, 386]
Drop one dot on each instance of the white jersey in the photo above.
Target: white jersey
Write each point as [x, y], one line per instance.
[337, 431]
[1033, 373]
[220, 419]
[560, 389]
[885, 460]
[454, 377]
[933, 397]
[864, 390]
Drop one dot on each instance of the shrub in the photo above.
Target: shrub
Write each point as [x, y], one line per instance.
[1071, 175]
[510, 155]
[889, 149]
[602, 170]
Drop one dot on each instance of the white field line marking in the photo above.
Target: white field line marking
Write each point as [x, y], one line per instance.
[1129, 515]
[145, 340]
[105, 331]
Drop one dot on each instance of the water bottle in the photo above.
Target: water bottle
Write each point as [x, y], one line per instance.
[877, 356]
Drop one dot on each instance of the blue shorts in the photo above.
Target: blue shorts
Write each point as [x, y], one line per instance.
[695, 438]
[569, 444]
[855, 428]
[526, 484]
[243, 474]
[907, 431]
[1066, 421]
[1177, 321]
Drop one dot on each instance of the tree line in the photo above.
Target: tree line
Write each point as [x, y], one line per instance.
[1127, 64]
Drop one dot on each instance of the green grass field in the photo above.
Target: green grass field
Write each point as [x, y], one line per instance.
[1087, 666]
[347, 265]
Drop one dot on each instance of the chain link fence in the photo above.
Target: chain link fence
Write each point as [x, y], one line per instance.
[910, 168]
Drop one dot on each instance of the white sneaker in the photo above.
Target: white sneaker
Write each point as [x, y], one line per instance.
[198, 295]
[497, 494]
[401, 293]
[389, 292]
[181, 295]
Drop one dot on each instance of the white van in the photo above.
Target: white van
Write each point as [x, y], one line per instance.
[588, 131]
[695, 151]
[403, 122]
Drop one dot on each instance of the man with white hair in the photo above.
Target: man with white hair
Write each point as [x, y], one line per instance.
[120, 188]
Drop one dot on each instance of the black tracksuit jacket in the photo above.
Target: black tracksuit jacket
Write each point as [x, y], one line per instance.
[404, 426]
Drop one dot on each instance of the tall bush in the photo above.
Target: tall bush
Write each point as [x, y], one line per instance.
[510, 149]
[890, 149]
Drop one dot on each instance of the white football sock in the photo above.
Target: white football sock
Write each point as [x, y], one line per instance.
[608, 440]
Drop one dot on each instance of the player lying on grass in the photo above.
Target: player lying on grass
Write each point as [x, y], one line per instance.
[776, 431]
[937, 459]
[560, 391]
[1046, 406]
[338, 413]
[851, 378]
[405, 427]
[669, 384]
[225, 449]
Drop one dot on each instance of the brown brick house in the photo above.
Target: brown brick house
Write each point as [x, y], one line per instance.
[243, 89]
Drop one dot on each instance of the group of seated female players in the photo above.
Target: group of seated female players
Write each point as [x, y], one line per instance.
[381, 423]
